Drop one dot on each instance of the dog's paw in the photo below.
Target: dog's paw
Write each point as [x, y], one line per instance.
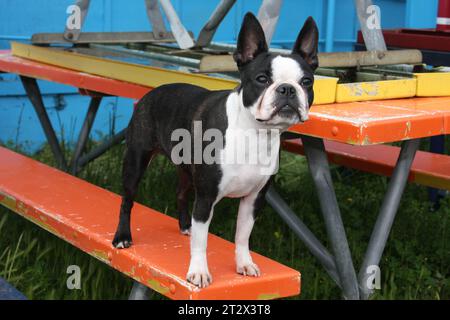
[186, 232]
[198, 274]
[122, 241]
[199, 279]
[185, 226]
[249, 269]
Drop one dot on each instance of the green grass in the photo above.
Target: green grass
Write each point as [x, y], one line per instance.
[415, 264]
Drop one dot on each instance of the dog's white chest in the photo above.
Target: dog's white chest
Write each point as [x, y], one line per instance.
[250, 155]
[241, 180]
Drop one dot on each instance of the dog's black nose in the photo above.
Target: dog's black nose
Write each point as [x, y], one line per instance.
[286, 90]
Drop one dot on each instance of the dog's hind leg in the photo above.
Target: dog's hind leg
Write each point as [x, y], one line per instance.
[183, 190]
[135, 162]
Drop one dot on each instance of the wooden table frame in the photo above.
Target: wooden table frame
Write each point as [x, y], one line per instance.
[338, 264]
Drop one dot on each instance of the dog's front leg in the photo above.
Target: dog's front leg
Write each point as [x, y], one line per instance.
[248, 209]
[202, 214]
[245, 222]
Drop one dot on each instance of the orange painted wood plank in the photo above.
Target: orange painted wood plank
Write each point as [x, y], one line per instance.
[429, 169]
[376, 122]
[86, 216]
[29, 68]
[358, 123]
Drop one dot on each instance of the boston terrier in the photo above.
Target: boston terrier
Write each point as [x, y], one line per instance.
[275, 92]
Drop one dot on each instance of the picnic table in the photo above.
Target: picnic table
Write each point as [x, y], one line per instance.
[334, 132]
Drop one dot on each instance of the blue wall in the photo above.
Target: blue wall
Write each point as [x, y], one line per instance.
[19, 19]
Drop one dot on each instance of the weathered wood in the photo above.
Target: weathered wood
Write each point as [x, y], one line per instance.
[225, 63]
[101, 37]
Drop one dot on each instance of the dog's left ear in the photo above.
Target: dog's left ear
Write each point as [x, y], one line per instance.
[251, 41]
[307, 42]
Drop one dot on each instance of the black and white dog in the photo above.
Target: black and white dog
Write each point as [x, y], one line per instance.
[276, 92]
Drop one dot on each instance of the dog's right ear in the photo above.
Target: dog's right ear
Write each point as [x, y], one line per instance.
[251, 41]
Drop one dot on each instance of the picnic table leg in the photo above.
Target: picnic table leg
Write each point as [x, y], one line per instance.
[34, 94]
[138, 292]
[303, 233]
[101, 149]
[320, 171]
[387, 213]
[84, 133]
[79, 159]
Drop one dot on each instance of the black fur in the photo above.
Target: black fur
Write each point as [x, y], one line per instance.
[149, 132]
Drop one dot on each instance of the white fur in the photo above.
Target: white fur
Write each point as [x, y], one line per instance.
[286, 69]
[198, 272]
[245, 222]
[241, 179]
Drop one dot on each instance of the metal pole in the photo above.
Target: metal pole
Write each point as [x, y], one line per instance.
[73, 34]
[101, 149]
[34, 94]
[184, 61]
[156, 19]
[208, 31]
[183, 38]
[303, 233]
[84, 133]
[268, 15]
[373, 37]
[138, 292]
[329, 35]
[388, 212]
[318, 166]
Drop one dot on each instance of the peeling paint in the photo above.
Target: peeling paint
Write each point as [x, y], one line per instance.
[366, 141]
[268, 296]
[362, 88]
[8, 201]
[408, 128]
[100, 255]
[157, 286]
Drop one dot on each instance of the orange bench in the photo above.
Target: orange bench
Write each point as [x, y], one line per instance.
[86, 216]
[428, 169]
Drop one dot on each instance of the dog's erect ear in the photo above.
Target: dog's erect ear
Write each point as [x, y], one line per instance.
[251, 41]
[307, 42]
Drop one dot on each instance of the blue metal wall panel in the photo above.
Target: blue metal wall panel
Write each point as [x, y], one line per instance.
[21, 18]
[19, 123]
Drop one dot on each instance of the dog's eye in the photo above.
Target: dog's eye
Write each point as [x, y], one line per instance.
[262, 79]
[306, 82]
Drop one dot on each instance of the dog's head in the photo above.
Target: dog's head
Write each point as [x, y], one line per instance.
[277, 89]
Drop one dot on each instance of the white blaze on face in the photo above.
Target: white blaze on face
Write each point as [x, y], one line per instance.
[284, 71]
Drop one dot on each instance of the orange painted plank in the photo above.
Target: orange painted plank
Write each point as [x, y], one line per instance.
[86, 216]
[358, 123]
[376, 122]
[429, 169]
[11, 64]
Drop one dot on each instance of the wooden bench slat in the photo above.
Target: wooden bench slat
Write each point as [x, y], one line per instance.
[429, 169]
[86, 216]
